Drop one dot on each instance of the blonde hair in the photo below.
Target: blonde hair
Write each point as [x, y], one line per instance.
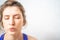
[12, 3]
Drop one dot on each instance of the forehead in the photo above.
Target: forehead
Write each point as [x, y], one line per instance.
[12, 10]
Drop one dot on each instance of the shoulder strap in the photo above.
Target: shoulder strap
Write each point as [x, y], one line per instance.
[25, 37]
[2, 37]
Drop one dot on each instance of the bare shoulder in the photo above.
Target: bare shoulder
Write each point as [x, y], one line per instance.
[31, 38]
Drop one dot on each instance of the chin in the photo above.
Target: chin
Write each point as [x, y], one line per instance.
[12, 33]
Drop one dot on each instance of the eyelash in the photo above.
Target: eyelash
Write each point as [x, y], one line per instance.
[15, 18]
[6, 18]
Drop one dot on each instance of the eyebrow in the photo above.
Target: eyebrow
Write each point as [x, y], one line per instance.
[17, 15]
[6, 15]
[13, 15]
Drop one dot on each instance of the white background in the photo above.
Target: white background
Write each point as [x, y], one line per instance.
[43, 18]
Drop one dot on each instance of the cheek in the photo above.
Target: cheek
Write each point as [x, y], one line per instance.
[5, 26]
[19, 23]
[5, 23]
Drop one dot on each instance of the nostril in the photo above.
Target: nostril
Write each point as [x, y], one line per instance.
[12, 23]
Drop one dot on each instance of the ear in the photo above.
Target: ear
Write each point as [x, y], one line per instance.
[2, 22]
[23, 23]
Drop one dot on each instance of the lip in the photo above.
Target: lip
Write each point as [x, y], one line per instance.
[12, 29]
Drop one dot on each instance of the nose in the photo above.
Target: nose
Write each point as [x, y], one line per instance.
[11, 22]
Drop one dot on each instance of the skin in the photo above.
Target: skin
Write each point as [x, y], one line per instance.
[12, 18]
[13, 22]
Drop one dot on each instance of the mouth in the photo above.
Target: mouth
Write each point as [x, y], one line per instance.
[12, 29]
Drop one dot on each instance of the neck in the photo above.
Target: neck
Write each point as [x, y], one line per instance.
[17, 36]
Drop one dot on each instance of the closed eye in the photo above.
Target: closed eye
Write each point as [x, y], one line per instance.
[6, 17]
[17, 17]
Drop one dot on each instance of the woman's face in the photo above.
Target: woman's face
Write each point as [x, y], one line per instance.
[12, 19]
